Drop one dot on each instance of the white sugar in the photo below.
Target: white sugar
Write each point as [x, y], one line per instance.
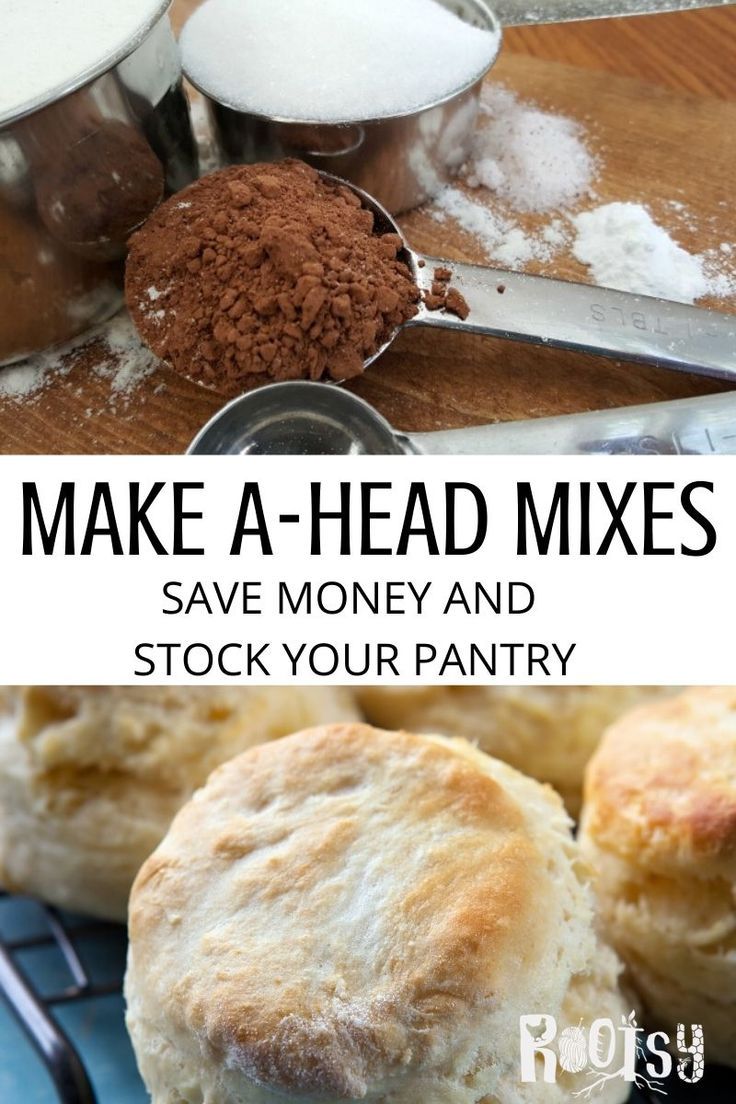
[555, 234]
[46, 45]
[720, 273]
[474, 218]
[332, 60]
[625, 248]
[499, 235]
[535, 160]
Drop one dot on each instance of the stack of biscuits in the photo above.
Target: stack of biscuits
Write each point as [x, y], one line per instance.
[331, 910]
[91, 777]
[659, 829]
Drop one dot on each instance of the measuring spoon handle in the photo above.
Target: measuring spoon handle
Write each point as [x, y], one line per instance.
[690, 427]
[609, 323]
[517, 13]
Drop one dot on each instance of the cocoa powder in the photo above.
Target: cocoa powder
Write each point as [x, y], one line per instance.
[443, 297]
[266, 270]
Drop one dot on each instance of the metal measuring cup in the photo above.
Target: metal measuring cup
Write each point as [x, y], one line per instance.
[403, 159]
[80, 168]
[311, 419]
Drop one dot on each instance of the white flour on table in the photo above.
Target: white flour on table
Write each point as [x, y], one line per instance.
[121, 359]
[522, 197]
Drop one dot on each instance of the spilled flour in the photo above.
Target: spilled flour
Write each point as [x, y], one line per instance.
[112, 352]
[625, 248]
[531, 162]
[521, 195]
[498, 232]
[128, 361]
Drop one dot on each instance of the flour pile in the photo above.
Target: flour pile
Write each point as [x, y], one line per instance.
[530, 173]
[532, 162]
[625, 248]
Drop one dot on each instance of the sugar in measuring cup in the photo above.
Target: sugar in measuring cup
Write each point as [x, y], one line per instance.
[372, 111]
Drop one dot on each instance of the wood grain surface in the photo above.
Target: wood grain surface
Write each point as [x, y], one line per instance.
[658, 98]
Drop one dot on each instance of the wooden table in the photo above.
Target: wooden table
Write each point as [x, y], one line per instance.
[658, 96]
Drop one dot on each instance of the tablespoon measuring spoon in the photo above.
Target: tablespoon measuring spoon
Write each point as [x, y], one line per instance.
[545, 311]
[312, 419]
[517, 13]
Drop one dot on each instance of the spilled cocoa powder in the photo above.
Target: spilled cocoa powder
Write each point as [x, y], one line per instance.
[443, 297]
[266, 270]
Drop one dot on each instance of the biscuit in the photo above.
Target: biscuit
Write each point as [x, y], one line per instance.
[659, 826]
[90, 778]
[351, 914]
[548, 732]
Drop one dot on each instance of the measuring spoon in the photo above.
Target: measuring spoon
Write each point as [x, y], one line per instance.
[558, 313]
[517, 13]
[312, 419]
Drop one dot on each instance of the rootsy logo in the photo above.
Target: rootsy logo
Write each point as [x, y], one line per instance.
[609, 1052]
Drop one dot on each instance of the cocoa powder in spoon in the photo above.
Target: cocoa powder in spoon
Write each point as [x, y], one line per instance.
[266, 270]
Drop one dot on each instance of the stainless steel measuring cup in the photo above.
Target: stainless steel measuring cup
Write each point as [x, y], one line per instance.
[311, 419]
[80, 168]
[403, 159]
[544, 311]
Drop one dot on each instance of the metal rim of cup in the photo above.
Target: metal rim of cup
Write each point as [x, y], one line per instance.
[483, 10]
[261, 395]
[87, 76]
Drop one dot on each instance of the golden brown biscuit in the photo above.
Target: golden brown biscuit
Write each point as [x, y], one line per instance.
[90, 778]
[548, 732]
[351, 914]
[659, 826]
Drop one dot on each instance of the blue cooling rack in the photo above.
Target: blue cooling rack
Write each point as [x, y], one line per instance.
[62, 1033]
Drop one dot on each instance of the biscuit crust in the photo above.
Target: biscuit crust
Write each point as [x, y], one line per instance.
[659, 827]
[548, 732]
[353, 914]
[662, 788]
[91, 777]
